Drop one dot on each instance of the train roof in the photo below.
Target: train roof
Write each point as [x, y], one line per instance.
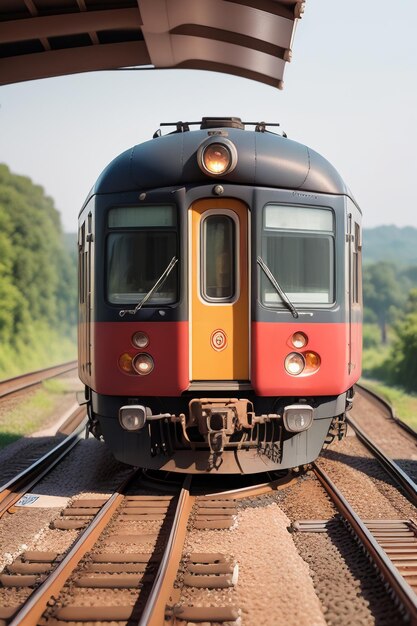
[264, 159]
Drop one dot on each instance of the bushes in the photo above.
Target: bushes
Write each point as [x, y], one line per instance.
[37, 275]
[396, 364]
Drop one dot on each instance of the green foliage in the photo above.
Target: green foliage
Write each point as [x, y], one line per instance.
[383, 294]
[371, 338]
[403, 369]
[40, 346]
[37, 274]
[390, 304]
[390, 243]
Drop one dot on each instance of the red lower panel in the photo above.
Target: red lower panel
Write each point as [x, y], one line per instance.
[271, 343]
[168, 346]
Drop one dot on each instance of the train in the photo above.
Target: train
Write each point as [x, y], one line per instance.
[220, 300]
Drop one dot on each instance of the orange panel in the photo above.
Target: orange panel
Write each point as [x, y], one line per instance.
[220, 331]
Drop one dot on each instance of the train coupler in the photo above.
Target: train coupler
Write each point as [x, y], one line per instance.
[217, 419]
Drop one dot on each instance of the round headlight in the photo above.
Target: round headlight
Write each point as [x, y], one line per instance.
[299, 340]
[143, 364]
[217, 158]
[294, 363]
[140, 340]
[125, 363]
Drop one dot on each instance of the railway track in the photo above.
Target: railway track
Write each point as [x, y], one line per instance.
[12, 490]
[393, 469]
[388, 438]
[19, 383]
[130, 564]
[390, 544]
[379, 401]
[130, 546]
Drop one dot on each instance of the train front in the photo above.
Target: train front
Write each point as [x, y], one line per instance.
[220, 301]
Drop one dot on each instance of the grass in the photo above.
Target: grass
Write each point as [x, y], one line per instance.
[404, 404]
[30, 415]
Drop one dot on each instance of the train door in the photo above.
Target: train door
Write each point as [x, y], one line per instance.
[85, 297]
[219, 299]
[355, 293]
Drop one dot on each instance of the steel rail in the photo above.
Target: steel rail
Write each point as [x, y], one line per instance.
[15, 488]
[391, 410]
[399, 586]
[154, 611]
[19, 383]
[37, 603]
[393, 469]
[253, 491]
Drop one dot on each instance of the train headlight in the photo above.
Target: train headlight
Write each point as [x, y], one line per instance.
[140, 340]
[217, 158]
[299, 340]
[125, 363]
[294, 363]
[298, 417]
[143, 364]
[132, 417]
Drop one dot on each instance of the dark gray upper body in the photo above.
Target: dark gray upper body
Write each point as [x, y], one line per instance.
[264, 160]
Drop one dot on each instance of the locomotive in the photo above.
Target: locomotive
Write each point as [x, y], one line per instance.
[220, 300]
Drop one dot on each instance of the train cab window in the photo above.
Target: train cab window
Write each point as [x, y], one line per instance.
[298, 248]
[140, 244]
[218, 258]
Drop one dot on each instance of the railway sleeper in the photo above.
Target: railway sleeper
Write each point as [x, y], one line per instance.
[88, 503]
[197, 614]
[144, 518]
[21, 580]
[21, 567]
[129, 538]
[117, 557]
[114, 581]
[68, 524]
[37, 556]
[30, 569]
[8, 612]
[119, 568]
[79, 512]
[74, 613]
[209, 582]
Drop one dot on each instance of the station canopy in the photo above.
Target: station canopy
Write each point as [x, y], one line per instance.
[45, 38]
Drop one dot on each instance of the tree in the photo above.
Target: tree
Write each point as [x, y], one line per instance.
[37, 274]
[383, 294]
[404, 350]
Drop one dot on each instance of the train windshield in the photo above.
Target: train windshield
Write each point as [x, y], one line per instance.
[140, 245]
[298, 246]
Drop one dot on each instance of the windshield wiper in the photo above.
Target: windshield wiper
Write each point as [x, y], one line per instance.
[278, 289]
[167, 271]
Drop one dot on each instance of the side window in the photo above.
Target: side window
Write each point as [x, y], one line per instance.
[218, 264]
[357, 264]
[81, 264]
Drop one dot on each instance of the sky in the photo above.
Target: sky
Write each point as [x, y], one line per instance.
[350, 93]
